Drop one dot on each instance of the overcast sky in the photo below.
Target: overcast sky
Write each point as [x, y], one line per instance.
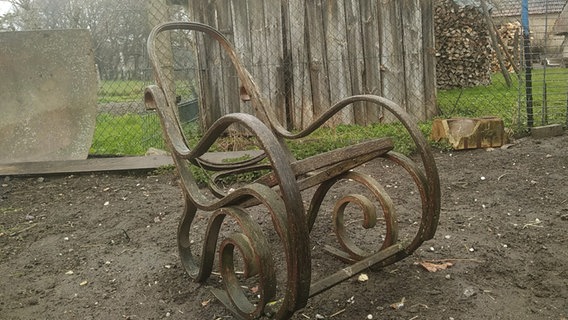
[4, 6]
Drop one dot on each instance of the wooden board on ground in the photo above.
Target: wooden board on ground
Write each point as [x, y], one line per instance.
[88, 165]
[107, 164]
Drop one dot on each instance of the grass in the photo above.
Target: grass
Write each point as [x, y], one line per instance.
[554, 111]
[121, 91]
[129, 134]
[133, 90]
[133, 134]
[327, 139]
[499, 100]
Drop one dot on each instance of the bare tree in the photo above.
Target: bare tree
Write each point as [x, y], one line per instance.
[119, 29]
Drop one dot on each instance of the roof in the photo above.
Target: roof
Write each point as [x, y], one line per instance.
[504, 8]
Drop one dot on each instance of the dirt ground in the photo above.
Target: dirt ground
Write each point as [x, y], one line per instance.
[102, 246]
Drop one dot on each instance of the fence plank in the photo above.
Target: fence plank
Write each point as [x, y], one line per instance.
[429, 58]
[266, 44]
[413, 58]
[229, 100]
[371, 77]
[274, 44]
[242, 40]
[304, 55]
[392, 63]
[88, 165]
[355, 57]
[210, 85]
[301, 106]
[319, 81]
[337, 58]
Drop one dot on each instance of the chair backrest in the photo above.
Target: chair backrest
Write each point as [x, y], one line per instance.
[249, 91]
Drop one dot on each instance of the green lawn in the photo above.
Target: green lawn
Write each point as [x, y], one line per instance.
[133, 134]
[121, 91]
[499, 100]
[133, 90]
[129, 134]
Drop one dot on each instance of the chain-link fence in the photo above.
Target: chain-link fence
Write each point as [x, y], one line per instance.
[305, 55]
[124, 126]
[525, 82]
[545, 73]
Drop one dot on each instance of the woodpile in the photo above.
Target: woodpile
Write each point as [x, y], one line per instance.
[463, 47]
[511, 40]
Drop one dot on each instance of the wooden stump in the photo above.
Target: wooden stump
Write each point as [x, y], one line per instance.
[470, 133]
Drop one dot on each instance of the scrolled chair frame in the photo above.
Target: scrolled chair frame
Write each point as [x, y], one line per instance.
[280, 193]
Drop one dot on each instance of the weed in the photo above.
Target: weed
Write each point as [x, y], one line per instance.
[164, 169]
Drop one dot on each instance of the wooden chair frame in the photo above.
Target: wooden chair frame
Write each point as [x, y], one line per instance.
[280, 191]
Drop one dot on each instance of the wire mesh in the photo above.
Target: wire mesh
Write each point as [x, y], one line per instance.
[305, 55]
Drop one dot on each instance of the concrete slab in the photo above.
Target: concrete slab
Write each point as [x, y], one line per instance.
[48, 93]
[551, 130]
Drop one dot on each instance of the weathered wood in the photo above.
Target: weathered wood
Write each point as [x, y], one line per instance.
[470, 133]
[496, 48]
[392, 53]
[242, 39]
[508, 38]
[230, 99]
[267, 54]
[413, 57]
[279, 193]
[88, 165]
[209, 98]
[354, 269]
[355, 57]
[505, 50]
[308, 54]
[463, 47]
[371, 43]
[319, 80]
[274, 46]
[301, 105]
[342, 154]
[429, 58]
[337, 57]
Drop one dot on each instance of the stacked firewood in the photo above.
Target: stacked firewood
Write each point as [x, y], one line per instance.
[463, 47]
[511, 41]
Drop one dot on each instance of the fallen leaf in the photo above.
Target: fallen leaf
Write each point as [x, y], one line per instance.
[363, 277]
[205, 303]
[433, 267]
[84, 283]
[398, 305]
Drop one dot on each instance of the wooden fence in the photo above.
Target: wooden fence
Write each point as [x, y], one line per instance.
[305, 55]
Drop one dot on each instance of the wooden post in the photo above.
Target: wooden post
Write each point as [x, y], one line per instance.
[429, 59]
[491, 31]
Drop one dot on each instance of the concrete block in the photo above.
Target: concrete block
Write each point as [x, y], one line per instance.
[48, 94]
[470, 133]
[551, 130]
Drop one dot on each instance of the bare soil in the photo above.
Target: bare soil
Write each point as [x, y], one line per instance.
[102, 246]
